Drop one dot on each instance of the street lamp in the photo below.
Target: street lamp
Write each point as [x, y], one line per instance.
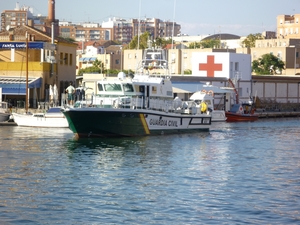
[295, 59]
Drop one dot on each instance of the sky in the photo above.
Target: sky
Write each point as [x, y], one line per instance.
[196, 17]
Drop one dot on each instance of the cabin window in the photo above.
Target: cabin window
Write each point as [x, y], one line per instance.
[208, 102]
[154, 89]
[100, 87]
[112, 87]
[128, 88]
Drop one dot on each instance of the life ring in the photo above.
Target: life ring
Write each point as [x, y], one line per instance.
[241, 110]
[210, 93]
[204, 91]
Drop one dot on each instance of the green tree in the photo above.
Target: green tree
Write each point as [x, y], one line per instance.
[142, 42]
[267, 64]
[144, 38]
[194, 45]
[68, 39]
[161, 42]
[97, 67]
[249, 42]
[207, 43]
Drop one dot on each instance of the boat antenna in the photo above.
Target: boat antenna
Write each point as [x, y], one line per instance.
[173, 24]
[139, 25]
[26, 100]
[138, 34]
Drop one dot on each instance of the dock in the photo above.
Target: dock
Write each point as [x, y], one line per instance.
[278, 114]
[8, 123]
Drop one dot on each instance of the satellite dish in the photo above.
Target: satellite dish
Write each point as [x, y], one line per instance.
[7, 27]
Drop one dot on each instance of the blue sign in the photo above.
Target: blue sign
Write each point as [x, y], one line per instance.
[21, 45]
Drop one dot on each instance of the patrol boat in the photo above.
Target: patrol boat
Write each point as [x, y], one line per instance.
[138, 105]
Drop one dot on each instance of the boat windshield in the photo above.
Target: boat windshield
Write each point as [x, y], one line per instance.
[112, 87]
[128, 87]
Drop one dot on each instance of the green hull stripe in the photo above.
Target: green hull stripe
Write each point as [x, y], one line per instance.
[145, 125]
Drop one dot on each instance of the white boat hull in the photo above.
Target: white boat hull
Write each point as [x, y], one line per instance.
[40, 120]
[218, 116]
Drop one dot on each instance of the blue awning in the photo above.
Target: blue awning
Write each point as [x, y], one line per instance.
[21, 45]
[17, 86]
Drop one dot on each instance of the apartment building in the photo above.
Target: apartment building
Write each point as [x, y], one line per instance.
[85, 32]
[288, 26]
[21, 15]
[156, 27]
[118, 29]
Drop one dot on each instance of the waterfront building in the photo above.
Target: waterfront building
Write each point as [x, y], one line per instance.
[39, 53]
[108, 52]
[48, 64]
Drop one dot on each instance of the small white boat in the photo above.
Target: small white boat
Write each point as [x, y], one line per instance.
[4, 112]
[208, 98]
[53, 118]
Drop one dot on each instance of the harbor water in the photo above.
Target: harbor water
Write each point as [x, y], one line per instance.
[237, 173]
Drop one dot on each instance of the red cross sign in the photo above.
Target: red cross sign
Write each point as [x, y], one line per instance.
[210, 66]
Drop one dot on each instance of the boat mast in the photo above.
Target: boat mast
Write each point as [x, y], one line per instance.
[173, 24]
[26, 100]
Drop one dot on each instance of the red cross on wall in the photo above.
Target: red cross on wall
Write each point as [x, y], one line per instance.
[210, 66]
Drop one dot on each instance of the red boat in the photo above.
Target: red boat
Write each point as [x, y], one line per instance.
[241, 113]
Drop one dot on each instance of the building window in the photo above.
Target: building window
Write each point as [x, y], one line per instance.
[61, 58]
[254, 55]
[71, 59]
[279, 55]
[236, 66]
[66, 59]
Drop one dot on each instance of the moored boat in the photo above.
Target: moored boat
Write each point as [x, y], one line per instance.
[4, 112]
[52, 118]
[208, 97]
[137, 106]
[241, 113]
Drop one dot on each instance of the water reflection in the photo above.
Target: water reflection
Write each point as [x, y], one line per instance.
[236, 173]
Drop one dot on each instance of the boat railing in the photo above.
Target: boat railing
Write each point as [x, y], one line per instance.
[140, 102]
